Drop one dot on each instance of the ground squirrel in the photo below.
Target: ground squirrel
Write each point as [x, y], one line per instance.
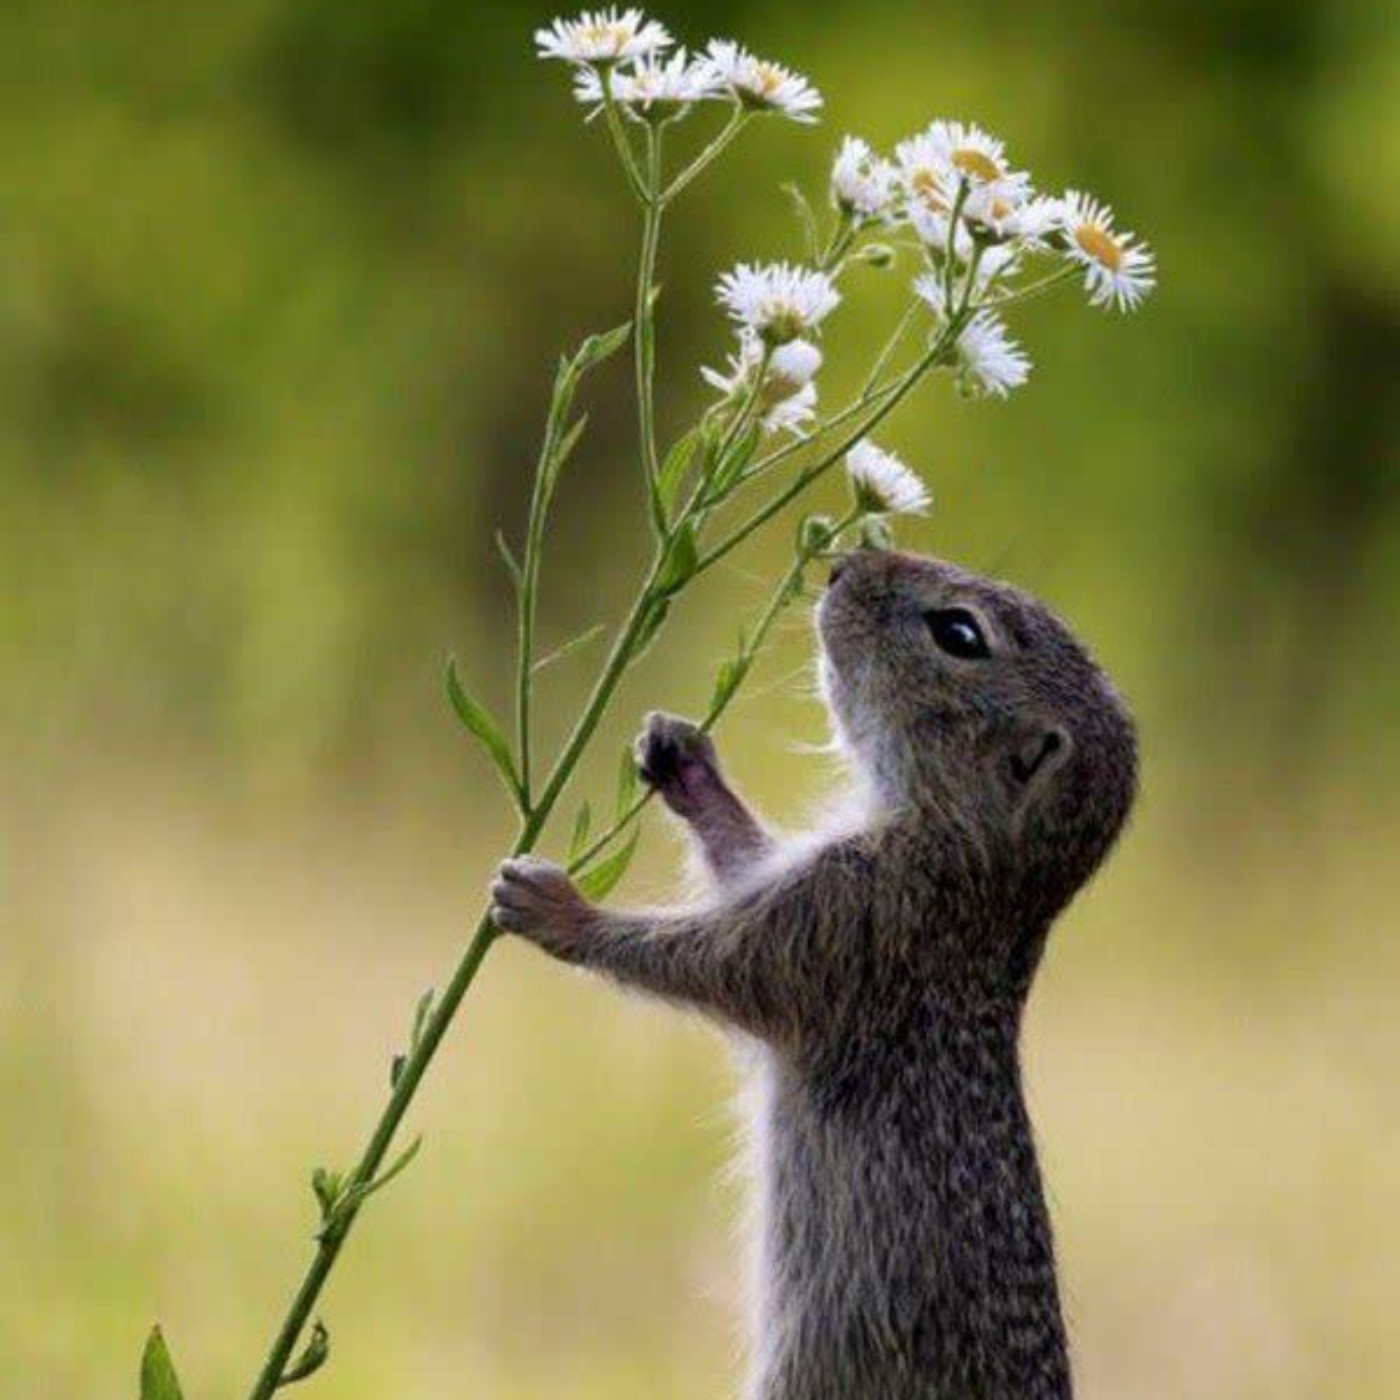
[878, 972]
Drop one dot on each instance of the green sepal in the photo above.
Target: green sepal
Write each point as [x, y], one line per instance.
[480, 721]
[598, 883]
[158, 1378]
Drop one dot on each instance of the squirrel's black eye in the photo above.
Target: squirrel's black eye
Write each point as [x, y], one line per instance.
[957, 632]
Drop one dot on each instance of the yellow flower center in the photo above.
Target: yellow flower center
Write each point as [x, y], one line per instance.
[1100, 245]
[766, 79]
[614, 36]
[976, 164]
[925, 185]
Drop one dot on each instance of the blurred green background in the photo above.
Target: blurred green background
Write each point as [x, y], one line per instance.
[280, 288]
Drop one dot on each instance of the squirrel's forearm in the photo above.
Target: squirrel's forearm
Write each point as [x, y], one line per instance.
[731, 838]
[765, 961]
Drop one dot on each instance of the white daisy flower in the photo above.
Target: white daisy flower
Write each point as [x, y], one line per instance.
[949, 156]
[761, 85]
[977, 156]
[788, 399]
[602, 36]
[989, 361]
[778, 301]
[861, 183]
[1119, 269]
[883, 485]
[654, 88]
[993, 212]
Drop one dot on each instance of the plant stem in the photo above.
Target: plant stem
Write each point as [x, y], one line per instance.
[709, 155]
[621, 140]
[415, 1064]
[776, 602]
[809, 474]
[644, 329]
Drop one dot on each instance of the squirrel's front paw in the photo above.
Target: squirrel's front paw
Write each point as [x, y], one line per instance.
[536, 899]
[677, 758]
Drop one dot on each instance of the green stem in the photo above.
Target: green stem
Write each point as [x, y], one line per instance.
[1038, 288]
[621, 140]
[809, 474]
[709, 155]
[891, 345]
[779, 599]
[644, 330]
[416, 1063]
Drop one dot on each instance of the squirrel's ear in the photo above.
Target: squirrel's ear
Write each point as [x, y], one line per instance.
[1038, 750]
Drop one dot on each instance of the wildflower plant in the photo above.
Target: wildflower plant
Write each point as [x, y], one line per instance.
[971, 239]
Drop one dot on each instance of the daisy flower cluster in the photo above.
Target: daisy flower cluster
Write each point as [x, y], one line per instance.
[650, 82]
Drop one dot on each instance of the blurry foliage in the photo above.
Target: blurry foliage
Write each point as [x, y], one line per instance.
[281, 286]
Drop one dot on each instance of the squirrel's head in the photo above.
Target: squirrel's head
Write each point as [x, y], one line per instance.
[966, 697]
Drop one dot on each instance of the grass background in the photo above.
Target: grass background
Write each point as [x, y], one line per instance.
[280, 285]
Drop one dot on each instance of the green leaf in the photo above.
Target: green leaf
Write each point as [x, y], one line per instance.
[563, 450]
[601, 346]
[682, 557]
[327, 1185]
[810, 233]
[158, 1378]
[479, 720]
[314, 1355]
[570, 647]
[673, 469]
[651, 625]
[509, 560]
[739, 455]
[583, 824]
[353, 1197]
[628, 783]
[421, 1012]
[728, 679]
[598, 882]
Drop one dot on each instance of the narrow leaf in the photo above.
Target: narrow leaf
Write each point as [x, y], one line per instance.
[583, 824]
[358, 1194]
[728, 679]
[673, 469]
[479, 720]
[628, 783]
[327, 1186]
[420, 1016]
[735, 460]
[158, 1378]
[570, 647]
[682, 556]
[508, 559]
[651, 624]
[601, 346]
[598, 882]
[315, 1354]
[810, 234]
[564, 450]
